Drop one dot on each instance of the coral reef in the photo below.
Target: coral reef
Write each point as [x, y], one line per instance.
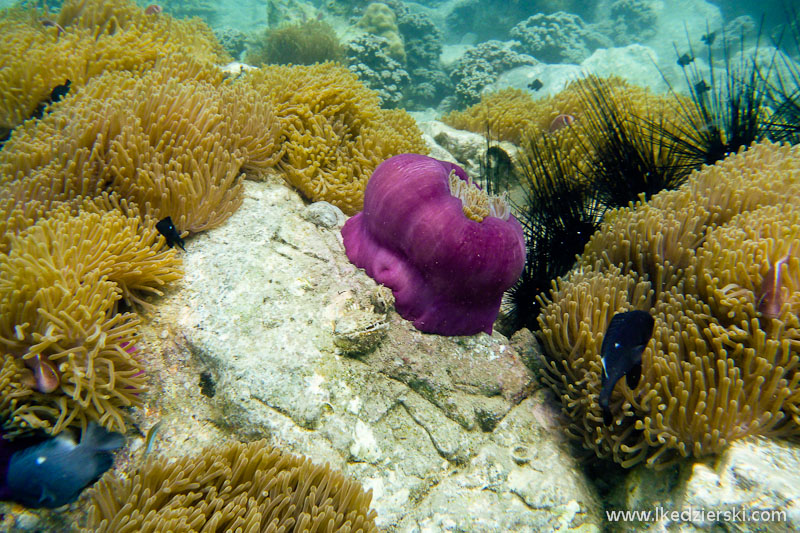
[302, 43]
[423, 40]
[335, 132]
[235, 487]
[232, 40]
[423, 46]
[558, 38]
[99, 36]
[628, 21]
[430, 87]
[480, 66]
[67, 350]
[719, 366]
[379, 19]
[472, 16]
[289, 12]
[204, 9]
[446, 249]
[367, 58]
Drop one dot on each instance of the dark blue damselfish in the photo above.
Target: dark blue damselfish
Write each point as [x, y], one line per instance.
[54, 472]
[625, 340]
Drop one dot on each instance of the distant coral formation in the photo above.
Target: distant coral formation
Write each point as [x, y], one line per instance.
[472, 16]
[630, 21]
[703, 259]
[232, 40]
[370, 57]
[367, 58]
[204, 9]
[335, 131]
[301, 43]
[380, 20]
[480, 66]
[558, 38]
[234, 487]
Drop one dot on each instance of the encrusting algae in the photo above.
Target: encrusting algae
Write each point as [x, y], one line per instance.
[717, 369]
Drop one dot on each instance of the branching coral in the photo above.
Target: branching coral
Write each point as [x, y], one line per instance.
[718, 368]
[335, 131]
[366, 57]
[480, 66]
[99, 36]
[67, 351]
[235, 487]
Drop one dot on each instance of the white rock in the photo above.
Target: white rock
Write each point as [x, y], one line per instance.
[752, 475]
[634, 63]
[365, 446]
[257, 309]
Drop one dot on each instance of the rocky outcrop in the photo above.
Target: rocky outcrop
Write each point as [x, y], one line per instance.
[303, 348]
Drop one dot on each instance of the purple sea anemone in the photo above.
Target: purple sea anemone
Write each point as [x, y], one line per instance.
[446, 249]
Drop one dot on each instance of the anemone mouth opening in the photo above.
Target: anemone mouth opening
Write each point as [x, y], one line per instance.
[475, 203]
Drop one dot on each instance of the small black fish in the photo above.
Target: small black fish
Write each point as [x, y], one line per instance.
[685, 59]
[5, 134]
[536, 84]
[701, 87]
[166, 228]
[60, 91]
[621, 352]
[708, 38]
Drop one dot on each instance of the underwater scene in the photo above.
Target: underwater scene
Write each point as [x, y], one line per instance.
[432, 266]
